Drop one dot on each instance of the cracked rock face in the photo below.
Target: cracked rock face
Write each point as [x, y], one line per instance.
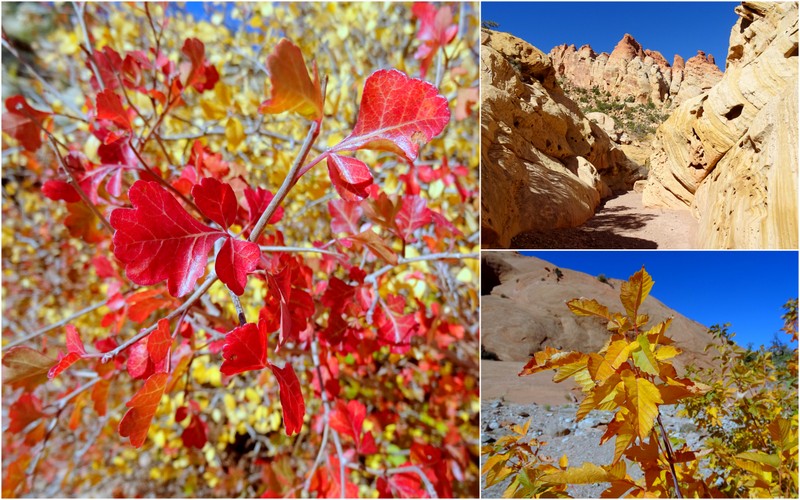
[730, 154]
[544, 165]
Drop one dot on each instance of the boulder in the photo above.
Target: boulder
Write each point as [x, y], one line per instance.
[730, 154]
[544, 165]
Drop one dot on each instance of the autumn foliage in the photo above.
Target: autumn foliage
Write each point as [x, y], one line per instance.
[632, 375]
[239, 263]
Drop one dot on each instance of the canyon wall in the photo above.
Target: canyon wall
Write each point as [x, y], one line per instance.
[544, 165]
[631, 71]
[730, 154]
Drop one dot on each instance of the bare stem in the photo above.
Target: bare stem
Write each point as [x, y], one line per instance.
[670, 456]
[80, 9]
[265, 248]
[372, 278]
[288, 182]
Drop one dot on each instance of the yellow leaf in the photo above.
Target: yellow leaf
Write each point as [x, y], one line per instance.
[563, 462]
[234, 133]
[599, 368]
[643, 400]
[549, 359]
[585, 474]
[584, 307]
[617, 353]
[634, 291]
[667, 352]
[643, 355]
[624, 438]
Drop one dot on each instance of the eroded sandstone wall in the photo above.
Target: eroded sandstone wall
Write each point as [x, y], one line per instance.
[730, 154]
[544, 165]
[632, 71]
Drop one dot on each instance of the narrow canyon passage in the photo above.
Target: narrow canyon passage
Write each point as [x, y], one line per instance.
[620, 222]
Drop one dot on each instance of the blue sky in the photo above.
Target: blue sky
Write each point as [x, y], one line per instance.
[743, 288]
[668, 27]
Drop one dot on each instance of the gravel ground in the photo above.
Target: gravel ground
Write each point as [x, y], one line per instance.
[578, 440]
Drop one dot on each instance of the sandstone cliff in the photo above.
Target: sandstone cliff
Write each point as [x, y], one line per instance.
[523, 311]
[631, 71]
[731, 153]
[544, 165]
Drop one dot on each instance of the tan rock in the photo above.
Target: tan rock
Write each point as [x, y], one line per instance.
[731, 152]
[525, 311]
[543, 164]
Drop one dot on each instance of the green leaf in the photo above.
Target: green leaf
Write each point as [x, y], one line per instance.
[643, 356]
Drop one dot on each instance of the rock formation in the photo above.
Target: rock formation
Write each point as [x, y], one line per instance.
[544, 165]
[523, 311]
[631, 71]
[731, 153]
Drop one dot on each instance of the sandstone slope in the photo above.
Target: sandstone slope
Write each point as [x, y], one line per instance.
[631, 71]
[544, 165]
[731, 153]
[526, 311]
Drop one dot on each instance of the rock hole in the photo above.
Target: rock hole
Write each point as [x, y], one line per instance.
[734, 112]
[516, 123]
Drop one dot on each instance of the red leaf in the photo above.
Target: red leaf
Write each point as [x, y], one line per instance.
[139, 364]
[348, 419]
[24, 123]
[143, 405]
[109, 63]
[350, 176]
[27, 409]
[397, 114]
[74, 342]
[25, 367]
[60, 190]
[216, 200]
[413, 215]
[235, 260]
[194, 436]
[292, 88]
[199, 74]
[292, 403]
[158, 240]
[159, 342]
[436, 29]
[345, 216]
[181, 413]
[258, 200]
[245, 349]
[109, 107]
[144, 303]
[100, 397]
[64, 362]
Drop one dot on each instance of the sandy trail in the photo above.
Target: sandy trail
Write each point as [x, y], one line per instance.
[621, 222]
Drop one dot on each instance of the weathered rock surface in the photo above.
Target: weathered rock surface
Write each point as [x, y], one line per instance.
[523, 311]
[731, 153]
[631, 71]
[544, 165]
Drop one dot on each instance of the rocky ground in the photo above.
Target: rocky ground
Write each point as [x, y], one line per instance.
[556, 425]
[620, 222]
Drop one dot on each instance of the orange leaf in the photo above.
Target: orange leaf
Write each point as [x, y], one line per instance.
[376, 245]
[292, 88]
[549, 359]
[143, 405]
[617, 353]
[159, 342]
[100, 397]
[584, 307]
[25, 367]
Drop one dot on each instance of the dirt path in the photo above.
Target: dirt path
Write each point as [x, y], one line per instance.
[621, 222]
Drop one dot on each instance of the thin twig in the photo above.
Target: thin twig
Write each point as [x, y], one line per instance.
[80, 9]
[670, 456]
[288, 182]
[58, 324]
[372, 278]
[266, 248]
[406, 468]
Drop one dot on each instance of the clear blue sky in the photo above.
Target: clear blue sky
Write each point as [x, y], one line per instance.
[743, 288]
[668, 27]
